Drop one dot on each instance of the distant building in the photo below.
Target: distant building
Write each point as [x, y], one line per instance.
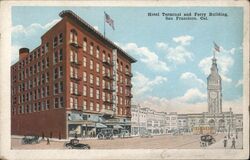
[76, 82]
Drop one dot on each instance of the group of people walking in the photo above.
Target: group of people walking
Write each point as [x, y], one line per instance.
[233, 141]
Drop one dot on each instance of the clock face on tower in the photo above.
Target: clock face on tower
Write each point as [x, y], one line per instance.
[213, 95]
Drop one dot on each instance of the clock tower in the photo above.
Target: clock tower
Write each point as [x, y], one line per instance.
[214, 89]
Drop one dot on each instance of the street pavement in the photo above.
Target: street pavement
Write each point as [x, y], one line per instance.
[156, 142]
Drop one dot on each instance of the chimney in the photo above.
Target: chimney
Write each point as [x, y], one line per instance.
[23, 52]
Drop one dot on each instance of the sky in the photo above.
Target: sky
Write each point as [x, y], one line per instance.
[173, 56]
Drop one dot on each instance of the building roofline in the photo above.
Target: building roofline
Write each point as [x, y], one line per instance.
[72, 15]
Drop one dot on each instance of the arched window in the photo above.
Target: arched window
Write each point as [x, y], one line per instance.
[73, 36]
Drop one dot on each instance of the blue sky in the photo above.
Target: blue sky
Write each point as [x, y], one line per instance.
[174, 57]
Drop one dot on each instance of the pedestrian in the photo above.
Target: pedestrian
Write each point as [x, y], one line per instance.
[48, 141]
[225, 142]
[233, 143]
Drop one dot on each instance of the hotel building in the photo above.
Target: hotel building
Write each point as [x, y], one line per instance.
[76, 82]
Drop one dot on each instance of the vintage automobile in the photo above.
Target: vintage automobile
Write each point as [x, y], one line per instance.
[30, 139]
[124, 134]
[105, 133]
[74, 144]
[146, 134]
[207, 140]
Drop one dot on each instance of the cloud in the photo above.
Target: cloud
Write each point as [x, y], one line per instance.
[192, 95]
[192, 78]
[31, 29]
[162, 45]
[15, 53]
[146, 56]
[225, 62]
[239, 83]
[181, 107]
[143, 84]
[183, 40]
[178, 54]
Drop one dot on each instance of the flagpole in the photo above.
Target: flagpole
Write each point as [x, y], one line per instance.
[104, 25]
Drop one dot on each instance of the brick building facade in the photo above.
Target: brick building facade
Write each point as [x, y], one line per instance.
[76, 82]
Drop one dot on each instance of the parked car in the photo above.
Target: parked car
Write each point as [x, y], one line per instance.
[124, 134]
[30, 139]
[207, 140]
[74, 144]
[146, 135]
[105, 133]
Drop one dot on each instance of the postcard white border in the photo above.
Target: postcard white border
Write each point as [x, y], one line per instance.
[5, 62]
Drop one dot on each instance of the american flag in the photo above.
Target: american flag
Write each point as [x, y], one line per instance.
[216, 47]
[109, 20]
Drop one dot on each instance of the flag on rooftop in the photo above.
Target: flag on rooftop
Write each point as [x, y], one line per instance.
[216, 47]
[109, 20]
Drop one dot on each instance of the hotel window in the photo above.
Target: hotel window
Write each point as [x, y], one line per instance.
[91, 64]
[103, 83]
[91, 78]
[91, 92]
[55, 73]
[34, 54]
[56, 102]
[91, 106]
[38, 67]
[71, 88]
[84, 76]
[34, 108]
[75, 57]
[97, 81]
[103, 96]
[55, 57]
[39, 106]
[43, 65]
[55, 88]
[121, 100]
[55, 41]
[84, 104]
[97, 67]
[47, 105]
[109, 58]
[47, 77]
[42, 106]
[97, 52]
[46, 47]
[84, 45]
[103, 70]
[60, 38]
[42, 49]
[97, 107]
[75, 88]
[103, 106]
[61, 87]
[75, 103]
[121, 67]
[121, 89]
[91, 48]
[60, 55]
[43, 78]
[34, 71]
[22, 111]
[84, 90]
[61, 71]
[47, 62]
[97, 94]
[103, 56]
[71, 56]
[84, 62]
[47, 90]
[71, 102]
[43, 92]
[30, 108]
[61, 102]
[71, 72]
[73, 36]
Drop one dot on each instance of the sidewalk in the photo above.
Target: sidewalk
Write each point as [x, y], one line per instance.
[220, 144]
